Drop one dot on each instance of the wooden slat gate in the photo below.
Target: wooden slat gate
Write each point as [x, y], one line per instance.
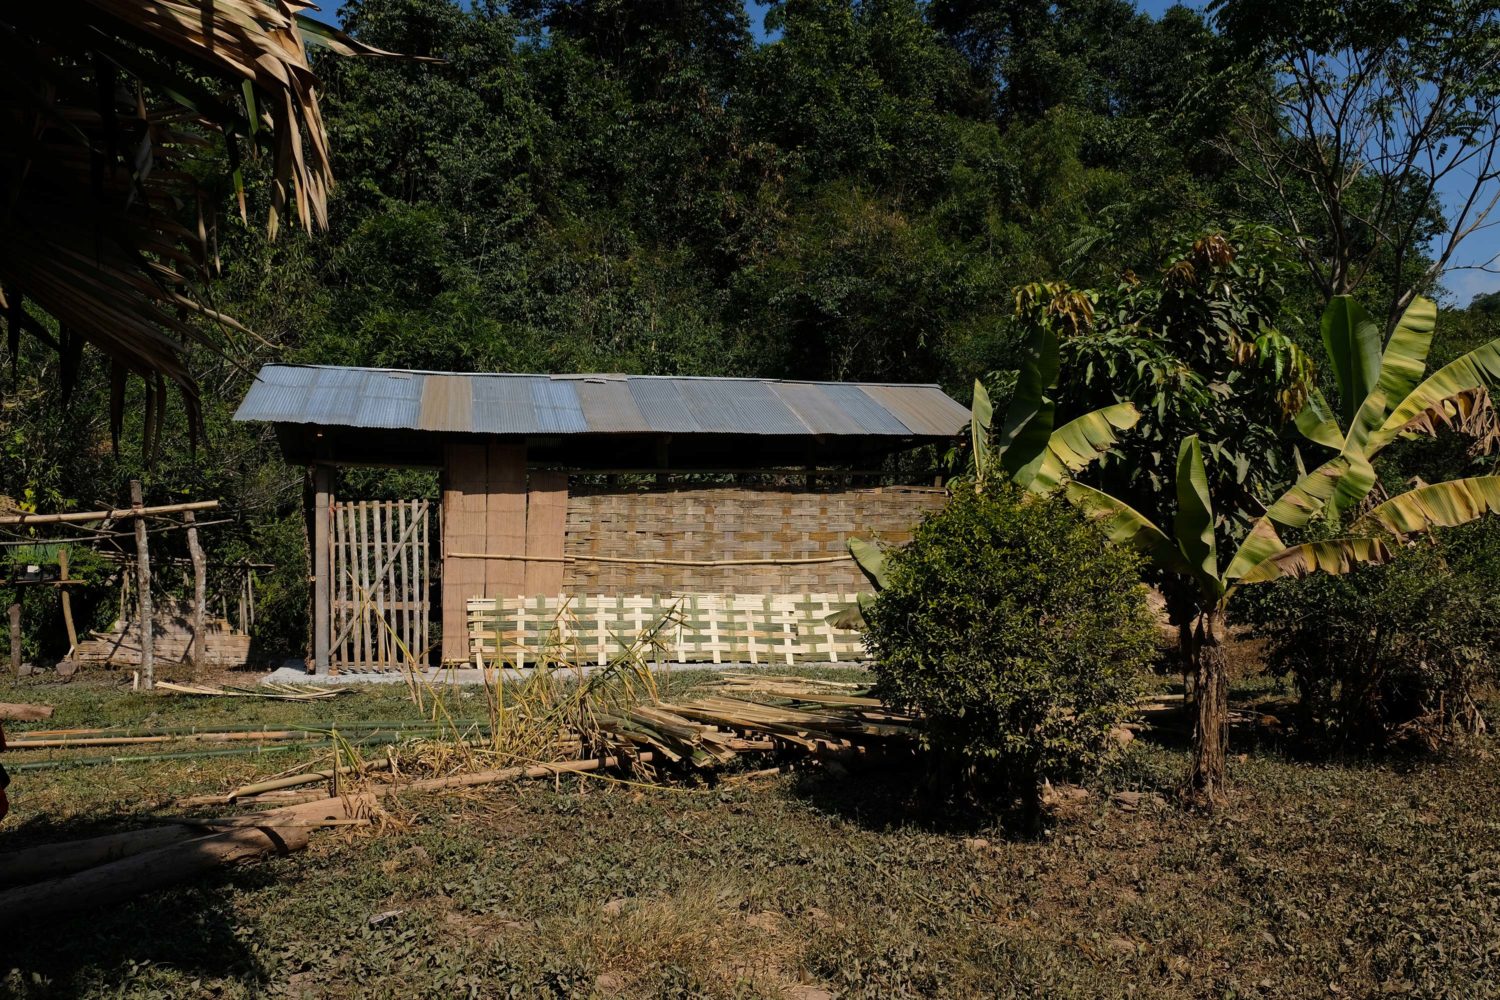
[379, 598]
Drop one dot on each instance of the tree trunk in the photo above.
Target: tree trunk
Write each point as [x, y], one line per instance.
[1211, 727]
[200, 589]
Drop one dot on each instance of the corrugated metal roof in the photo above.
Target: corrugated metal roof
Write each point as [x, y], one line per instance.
[595, 404]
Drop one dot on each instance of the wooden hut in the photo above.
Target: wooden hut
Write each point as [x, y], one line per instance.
[611, 490]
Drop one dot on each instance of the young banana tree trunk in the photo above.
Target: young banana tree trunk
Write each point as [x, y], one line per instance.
[1211, 702]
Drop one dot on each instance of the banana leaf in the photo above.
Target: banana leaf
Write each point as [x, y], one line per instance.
[1194, 522]
[1480, 368]
[1339, 555]
[981, 418]
[1029, 419]
[1317, 422]
[1124, 525]
[1259, 545]
[1079, 442]
[1353, 343]
[1441, 505]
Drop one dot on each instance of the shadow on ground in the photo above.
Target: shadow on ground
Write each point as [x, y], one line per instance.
[192, 929]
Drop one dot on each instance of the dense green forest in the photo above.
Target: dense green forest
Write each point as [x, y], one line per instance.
[603, 185]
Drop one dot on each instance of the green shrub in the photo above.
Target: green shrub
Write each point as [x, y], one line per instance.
[1389, 654]
[1017, 632]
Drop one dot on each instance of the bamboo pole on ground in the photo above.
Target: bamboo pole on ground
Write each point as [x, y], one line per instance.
[49, 861]
[107, 884]
[200, 589]
[143, 585]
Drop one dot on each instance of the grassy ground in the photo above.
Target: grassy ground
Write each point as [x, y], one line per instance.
[1315, 880]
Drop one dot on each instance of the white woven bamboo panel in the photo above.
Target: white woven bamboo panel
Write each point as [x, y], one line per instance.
[785, 629]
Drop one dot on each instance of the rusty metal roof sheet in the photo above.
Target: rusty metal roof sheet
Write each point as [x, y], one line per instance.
[595, 404]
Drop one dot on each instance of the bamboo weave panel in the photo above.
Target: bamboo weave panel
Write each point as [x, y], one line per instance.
[771, 629]
[732, 522]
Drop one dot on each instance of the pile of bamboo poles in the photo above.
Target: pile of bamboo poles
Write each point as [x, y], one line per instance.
[618, 724]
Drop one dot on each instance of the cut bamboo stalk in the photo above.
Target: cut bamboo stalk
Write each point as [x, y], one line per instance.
[14, 712]
[104, 885]
[109, 515]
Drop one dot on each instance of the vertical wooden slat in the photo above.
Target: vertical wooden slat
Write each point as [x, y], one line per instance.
[335, 570]
[465, 488]
[341, 576]
[402, 569]
[505, 521]
[362, 581]
[377, 596]
[346, 573]
[546, 527]
[322, 551]
[424, 577]
[351, 512]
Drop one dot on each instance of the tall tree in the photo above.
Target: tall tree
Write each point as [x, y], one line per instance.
[1378, 135]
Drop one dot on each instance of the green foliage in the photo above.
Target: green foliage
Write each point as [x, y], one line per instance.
[1393, 653]
[1016, 633]
[1200, 351]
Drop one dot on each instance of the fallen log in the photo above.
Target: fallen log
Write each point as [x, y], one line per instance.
[104, 885]
[37, 864]
[12, 712]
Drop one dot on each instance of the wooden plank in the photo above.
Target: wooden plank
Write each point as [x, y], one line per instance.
[341, 575]
[402, 571]
[546, 529]
[462, 530]
[322, 553]
[424, 577]
[378, 556]
[364, 650]
[505, 521]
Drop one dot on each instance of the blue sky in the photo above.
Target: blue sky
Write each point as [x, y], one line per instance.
[1480, 248]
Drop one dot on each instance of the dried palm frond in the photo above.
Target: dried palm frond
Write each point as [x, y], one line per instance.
[1471, 413]
[109, 110]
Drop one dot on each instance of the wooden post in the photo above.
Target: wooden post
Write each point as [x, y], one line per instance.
[143, 585]
[15, 636]
[67, 601]
[322, 487]
[200, 589]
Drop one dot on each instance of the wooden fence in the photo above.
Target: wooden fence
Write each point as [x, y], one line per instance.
[783, 629]
[380, 598]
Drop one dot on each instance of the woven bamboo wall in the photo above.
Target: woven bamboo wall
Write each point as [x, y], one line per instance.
[703, 524]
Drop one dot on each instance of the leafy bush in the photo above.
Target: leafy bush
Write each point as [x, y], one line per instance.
[1389, 654]
[1017, 632]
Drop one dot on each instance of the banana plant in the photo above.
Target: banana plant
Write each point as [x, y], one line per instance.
[1382, 396]
[1190, 551]
[1031, 452]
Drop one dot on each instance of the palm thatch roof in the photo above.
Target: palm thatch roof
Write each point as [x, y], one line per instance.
[108, 110]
